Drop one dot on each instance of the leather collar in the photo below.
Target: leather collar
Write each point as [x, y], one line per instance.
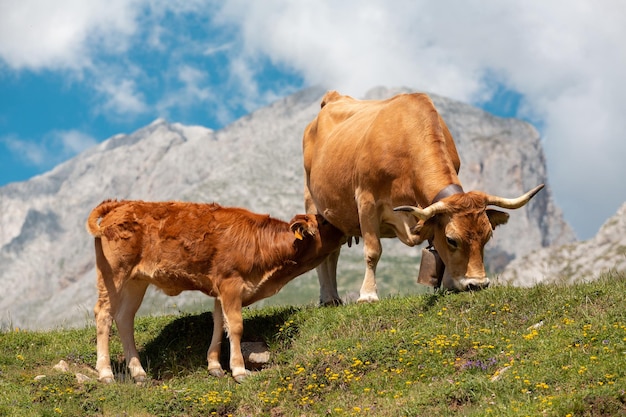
[447, 192]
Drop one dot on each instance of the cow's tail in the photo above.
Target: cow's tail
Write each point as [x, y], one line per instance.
[93, 224]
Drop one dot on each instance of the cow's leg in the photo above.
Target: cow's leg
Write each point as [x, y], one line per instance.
[401, 224]
[327, 276]
[327, 270]
[369, 218]
[131, 296]
[213, 355]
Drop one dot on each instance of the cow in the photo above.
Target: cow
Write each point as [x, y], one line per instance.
[232, 254]
[389, 168]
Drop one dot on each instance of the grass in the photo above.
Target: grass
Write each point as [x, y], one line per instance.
[550, 350]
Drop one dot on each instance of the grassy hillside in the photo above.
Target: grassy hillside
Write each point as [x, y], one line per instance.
[545, 351]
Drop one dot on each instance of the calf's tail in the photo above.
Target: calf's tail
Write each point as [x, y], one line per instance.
[93, 225]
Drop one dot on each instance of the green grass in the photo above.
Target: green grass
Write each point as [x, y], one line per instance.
[550, 350]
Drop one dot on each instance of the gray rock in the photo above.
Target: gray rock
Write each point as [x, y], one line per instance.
[255, 354]
[82, 378]
[62, 366]
[574, 262]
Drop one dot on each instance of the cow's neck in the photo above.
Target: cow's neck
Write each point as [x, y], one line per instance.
[447, 192]
[432, 190]
[435, 171]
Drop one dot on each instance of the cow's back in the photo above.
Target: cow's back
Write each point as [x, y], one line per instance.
[382, 146]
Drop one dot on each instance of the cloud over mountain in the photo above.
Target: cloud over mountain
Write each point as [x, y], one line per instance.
[557, 65]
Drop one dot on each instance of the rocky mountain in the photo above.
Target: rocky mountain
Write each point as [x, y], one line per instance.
[47, 275]
[576, 261]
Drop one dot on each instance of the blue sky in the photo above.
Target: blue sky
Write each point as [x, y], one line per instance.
[73, 73]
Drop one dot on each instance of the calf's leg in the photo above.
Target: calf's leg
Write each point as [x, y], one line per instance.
[102, 312]
[131, 296]
[227, 315]
[103, 316]
[231, 306]
[213, 355]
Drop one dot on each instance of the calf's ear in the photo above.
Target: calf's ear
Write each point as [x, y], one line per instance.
[301, 228]
[497, 217]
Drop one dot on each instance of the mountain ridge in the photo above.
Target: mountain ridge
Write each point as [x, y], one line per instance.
[256, 163]
[574, 262]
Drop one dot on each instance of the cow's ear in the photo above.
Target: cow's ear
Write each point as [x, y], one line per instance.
[497, 217]
[300, 228]
[425, 229]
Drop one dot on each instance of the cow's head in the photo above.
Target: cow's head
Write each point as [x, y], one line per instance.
[459, 226]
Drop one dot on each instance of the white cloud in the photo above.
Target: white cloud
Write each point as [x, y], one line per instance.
[37, 34]
[90, 40]
[567, 61]
[192, 90]
[121, 97]
[51, 150]
[215, 49]
[193, 80]
[31, 152]
[354, 45]
[73, 142]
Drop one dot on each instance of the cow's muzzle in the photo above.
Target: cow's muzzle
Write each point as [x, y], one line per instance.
[465, 283]
[474, 284]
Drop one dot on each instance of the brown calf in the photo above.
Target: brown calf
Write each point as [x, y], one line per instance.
[232, 254]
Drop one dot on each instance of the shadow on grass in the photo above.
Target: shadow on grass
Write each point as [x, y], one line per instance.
[180, 348]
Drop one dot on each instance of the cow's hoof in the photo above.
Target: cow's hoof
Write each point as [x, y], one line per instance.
[368, 298]
[217, 372]
[242, 377]
[331, 303]
[139, 379]
[107, 379]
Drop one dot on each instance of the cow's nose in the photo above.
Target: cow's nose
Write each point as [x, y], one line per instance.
[476, 284]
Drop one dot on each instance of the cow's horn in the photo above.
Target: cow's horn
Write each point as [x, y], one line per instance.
[513, 203]
[424, 213]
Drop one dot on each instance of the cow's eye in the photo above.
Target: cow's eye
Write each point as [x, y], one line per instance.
[452, 243]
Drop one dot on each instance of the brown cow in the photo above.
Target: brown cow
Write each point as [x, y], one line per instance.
[231, 254]
[363, 158]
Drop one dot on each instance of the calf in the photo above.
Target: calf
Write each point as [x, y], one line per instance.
[232, 254]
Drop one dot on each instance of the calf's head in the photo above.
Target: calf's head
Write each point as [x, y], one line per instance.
[459, 226]
[315, 235]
